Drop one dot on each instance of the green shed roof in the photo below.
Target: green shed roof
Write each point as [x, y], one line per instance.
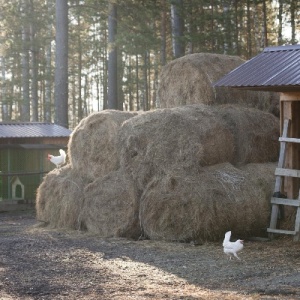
[32, 130]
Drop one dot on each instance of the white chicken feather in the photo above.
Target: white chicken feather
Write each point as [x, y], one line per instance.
[58, 160]
[231, 248]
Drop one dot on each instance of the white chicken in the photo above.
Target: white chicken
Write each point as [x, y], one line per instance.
[58, 160]
[231, 248]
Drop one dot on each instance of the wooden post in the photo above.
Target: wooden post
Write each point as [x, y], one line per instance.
[290, 109]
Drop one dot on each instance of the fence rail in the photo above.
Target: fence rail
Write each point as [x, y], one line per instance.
[22, 173]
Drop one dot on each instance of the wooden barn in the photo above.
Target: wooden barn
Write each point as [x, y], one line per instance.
[278, 69]
[23, 158]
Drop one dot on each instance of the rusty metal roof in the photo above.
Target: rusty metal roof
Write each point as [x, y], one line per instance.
[275, 69]
[32, 130]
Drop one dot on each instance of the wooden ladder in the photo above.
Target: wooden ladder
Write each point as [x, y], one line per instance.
[278, 198]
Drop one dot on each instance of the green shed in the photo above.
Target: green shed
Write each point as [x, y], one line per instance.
[23, 158]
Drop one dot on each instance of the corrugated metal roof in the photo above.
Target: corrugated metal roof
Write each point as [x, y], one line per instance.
[276, 69]
[32, 130]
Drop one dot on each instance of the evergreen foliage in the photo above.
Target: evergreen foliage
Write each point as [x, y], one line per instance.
[145, 41]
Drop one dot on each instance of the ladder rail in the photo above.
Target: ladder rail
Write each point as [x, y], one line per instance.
[276, 201]
[278, 179]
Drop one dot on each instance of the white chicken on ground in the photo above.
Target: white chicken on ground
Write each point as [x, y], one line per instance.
[232, 248]
[58, 160]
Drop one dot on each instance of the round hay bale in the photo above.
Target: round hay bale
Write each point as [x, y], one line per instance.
[92, 145]
[183, 138]
[191, 137]
[60, 197]
[111, 207]
[255, 134]
[189, 207]
[188, 80]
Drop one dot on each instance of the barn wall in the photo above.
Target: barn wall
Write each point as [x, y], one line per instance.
[21, 161]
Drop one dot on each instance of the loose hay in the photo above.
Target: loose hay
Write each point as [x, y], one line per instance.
[188, 80]
[60, 198]
[92, 146]
[189, 207]
[111, 207]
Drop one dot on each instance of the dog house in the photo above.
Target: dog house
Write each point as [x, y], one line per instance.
[23, 158]
[278, 69]
[18, 189]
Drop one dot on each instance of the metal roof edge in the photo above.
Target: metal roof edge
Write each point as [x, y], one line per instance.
[282, 48]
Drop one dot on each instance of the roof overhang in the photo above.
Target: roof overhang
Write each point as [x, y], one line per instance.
[32, 146]
[275, 69]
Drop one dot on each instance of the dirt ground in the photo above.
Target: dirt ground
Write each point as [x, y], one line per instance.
[38, 263]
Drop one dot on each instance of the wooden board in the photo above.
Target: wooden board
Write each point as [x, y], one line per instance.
[291, 96]
[281, 231]
[284, 201]
[297, 226]
[289, 140]
[287, 172]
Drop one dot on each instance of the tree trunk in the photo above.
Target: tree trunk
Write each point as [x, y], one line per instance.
[79, 79]
[25, 107]
[280, 12]
[163, 57]
[5, 108]
[226, 25]
[48, 67]
[249, 39]
[105, 73]
[112, 58]
[293, 21]
[265, 24]
[212, 26]
[145, 75]
[177, 28]
[130, 79]
[61, 64]
[236, 33]
[34, 71]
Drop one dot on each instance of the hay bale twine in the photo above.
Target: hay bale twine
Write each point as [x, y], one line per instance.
[182, 138]
[111, 207]
[92, 145]
[188, 80]
[255, 134]
[60, 197]
[189, 207]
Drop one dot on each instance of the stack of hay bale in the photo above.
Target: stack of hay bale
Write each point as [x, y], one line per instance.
[183, 173]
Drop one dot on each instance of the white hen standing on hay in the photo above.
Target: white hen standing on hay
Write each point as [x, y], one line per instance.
[58, 160]
[231, 248]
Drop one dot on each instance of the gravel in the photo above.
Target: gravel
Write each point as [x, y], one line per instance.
[40, 263]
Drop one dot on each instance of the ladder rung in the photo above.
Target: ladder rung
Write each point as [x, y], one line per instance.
[284, 201]
[281, 231]
[287, 172]
[289, 140]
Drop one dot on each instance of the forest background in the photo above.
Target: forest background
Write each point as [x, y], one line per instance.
[62, 60]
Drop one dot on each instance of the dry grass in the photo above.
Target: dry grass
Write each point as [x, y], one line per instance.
[188, 80]
[189, 207]
[191, 137]
[172, 174]
[92, 146]
[255, 134]
[110, 207]
[60, 198]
